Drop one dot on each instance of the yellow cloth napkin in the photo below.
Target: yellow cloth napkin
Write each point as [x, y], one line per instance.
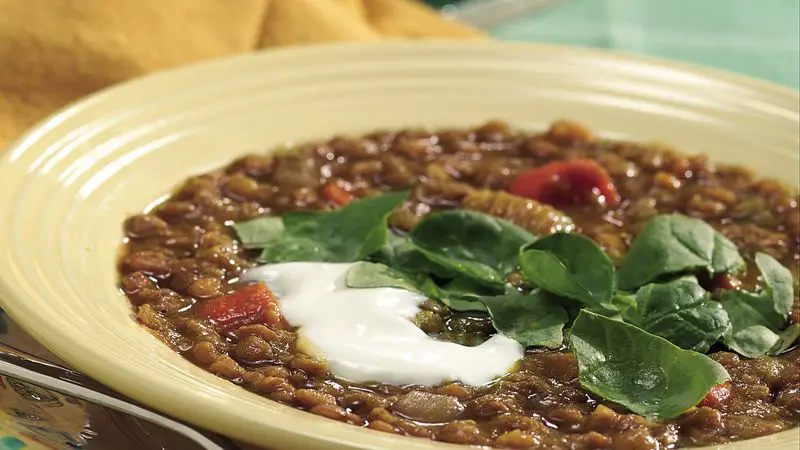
[55, 51]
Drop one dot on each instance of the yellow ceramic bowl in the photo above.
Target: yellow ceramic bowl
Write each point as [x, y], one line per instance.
[68, 184]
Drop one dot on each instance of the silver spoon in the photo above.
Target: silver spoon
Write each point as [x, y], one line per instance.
[26, 367]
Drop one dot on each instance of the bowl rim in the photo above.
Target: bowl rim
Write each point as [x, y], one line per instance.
[578, 50]
[16, 311]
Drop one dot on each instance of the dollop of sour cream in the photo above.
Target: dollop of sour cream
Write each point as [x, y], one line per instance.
[366, 335]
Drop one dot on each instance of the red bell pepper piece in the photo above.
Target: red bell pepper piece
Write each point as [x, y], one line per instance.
[717, 395]
[335, 193]
[251, 304]
[560, 183]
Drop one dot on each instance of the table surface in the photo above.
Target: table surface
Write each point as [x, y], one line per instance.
[751, 37]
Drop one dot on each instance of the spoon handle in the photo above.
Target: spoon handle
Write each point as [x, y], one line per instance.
[23, 366]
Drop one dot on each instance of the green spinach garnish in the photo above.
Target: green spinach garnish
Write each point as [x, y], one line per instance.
[752, 333]
[616, 307]
[681, 312]
[643, 372]
[779, 285]
[534, 319]
[458, 295]
[350, 233]
[675, 244]
[786, 339]
[639, 332]
[259, 232]
[472, 244]
[758, 319]
[365, 274]
[571, 266]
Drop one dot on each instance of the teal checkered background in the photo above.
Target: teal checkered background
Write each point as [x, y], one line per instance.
[759, 38]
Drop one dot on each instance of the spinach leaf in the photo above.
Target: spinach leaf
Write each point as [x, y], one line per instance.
[671, 244]
[258, 232]
[347, 234]
[410, 259]
[465, 287]
[534, 319]
[402, 255]
[459, 295]
[621, 302]
[295, 218]
[366, 274]
[681, 312]
[396, 244]
[751, 333]
[786, 339]
[571, 266]
[474, 245]
[643, 372]
[758, 318]
[619, 306]
[779, 286]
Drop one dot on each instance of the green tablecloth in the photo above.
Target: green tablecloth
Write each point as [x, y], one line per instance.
[760, 38]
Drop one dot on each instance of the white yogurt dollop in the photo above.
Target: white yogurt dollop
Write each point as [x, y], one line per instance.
[367, 335]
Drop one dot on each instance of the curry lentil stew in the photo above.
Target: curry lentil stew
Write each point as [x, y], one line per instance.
[645, 297]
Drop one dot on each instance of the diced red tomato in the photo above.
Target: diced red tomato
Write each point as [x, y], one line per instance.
[251, 304]
[717, 395]
[559, 183]
[335, 193]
